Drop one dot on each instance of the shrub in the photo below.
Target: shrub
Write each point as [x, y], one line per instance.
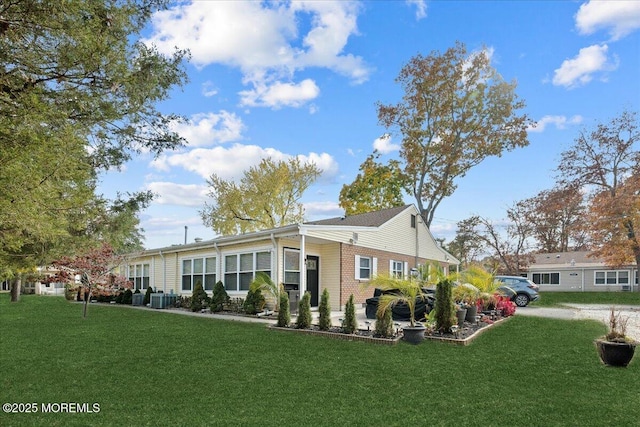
[324, 323]
[147, 296]
[384, 324]
[199, 298]
[119, 297]
[254, 303]
[284, 317]
[349, 324]
[304, 312]
[219, 297]
[127, 296]
[445, 311]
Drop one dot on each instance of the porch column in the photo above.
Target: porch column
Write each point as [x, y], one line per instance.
[303, 266]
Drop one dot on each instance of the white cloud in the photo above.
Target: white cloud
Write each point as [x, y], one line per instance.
[320, 210]
[560, 122]
[169, 193]
[421, 8]
[279, 94]
[230, 163]
[210, 128]
[620, 18]
[383, 144]
[580, 70]
[263, 40]
[208, 89]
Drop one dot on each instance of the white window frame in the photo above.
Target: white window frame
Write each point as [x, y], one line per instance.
[398, 269]
[139, 275]
[239, 271]
[611, 278]
[207, 285]
[547, 273]
[291, 271]
[372, 268]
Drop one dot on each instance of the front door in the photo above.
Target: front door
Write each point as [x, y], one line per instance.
[313, 278]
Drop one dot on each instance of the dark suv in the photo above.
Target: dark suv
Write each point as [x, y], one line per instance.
[524, 290]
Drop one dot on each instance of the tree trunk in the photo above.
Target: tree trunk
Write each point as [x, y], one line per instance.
[16, 284]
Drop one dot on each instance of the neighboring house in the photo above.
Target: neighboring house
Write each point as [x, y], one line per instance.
[339, 254]
[577, 271]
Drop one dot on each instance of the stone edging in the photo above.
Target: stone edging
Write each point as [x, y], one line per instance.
[467, 340]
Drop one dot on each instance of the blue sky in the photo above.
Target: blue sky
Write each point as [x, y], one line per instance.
[302, 79]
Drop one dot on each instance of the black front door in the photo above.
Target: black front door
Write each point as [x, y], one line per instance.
[313, 278]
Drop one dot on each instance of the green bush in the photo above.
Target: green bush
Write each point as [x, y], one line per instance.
[254, 303]
[127, 296]
[219, 297]
[349, 323]
[284, 317]
[147, 296]
[324, 311]
[199, 298]
[445, 309]
[304, 312]
[384, 324]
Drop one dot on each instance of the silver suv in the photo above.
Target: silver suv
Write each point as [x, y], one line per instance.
[523, 290]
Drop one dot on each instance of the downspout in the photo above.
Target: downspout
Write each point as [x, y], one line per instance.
[582, 280]
[303, 265]
[274, 259]
[164, 273]
[218, 261]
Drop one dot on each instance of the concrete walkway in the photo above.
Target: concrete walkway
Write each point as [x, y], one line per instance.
[600, 312]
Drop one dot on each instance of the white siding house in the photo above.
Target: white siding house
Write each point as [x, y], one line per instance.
[339, 254]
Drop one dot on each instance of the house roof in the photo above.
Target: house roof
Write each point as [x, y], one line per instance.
[369, 219]
[566, 259]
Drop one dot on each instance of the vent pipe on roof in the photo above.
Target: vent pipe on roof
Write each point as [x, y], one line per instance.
[185, 234]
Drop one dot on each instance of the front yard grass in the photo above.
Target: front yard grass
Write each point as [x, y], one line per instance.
[556, 299]
[153, 368]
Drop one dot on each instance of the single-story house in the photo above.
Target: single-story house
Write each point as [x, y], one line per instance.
[339, 254]
[577, 271]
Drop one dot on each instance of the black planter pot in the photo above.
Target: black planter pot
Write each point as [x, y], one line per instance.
[461, 314]
[413, 334]
[472, 312]
[615, 353]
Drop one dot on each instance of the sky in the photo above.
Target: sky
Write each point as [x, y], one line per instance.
[302, 79]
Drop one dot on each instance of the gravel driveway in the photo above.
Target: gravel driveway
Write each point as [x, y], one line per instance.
[588, 311]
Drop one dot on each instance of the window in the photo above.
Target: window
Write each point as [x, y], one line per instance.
[365, 267]
[396, 269]
[615, 277]
[413, 221]
[546, 278]
[240, 269]
[198, 270]
[139, 276]
[292, 266]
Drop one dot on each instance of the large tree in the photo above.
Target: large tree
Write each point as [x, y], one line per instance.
[78, 91]
[267, 196]
[377, 186]
[557, 219]
[506, 242]
[605, 162]
[455, 112]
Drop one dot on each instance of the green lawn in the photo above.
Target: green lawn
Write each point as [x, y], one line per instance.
[551, 299]
[153, 368]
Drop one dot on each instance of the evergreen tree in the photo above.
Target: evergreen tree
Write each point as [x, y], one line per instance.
[384, 324]
[350, 324]
[199, 298]
[445, 310]
[147, 296]
[219, 297]
[324, 311]
[284, 316]
[255, 301]
[304, 312]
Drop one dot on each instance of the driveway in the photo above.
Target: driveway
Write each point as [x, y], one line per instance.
[599, 312]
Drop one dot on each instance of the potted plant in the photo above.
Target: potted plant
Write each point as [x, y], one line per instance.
[404, 291]
[467, 296]
[615, 348]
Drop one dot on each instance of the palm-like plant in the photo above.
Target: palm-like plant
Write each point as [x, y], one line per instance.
[263, 282]
[405, 291]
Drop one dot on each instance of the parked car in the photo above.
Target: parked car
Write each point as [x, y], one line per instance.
[424, 305]
[520, 289]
